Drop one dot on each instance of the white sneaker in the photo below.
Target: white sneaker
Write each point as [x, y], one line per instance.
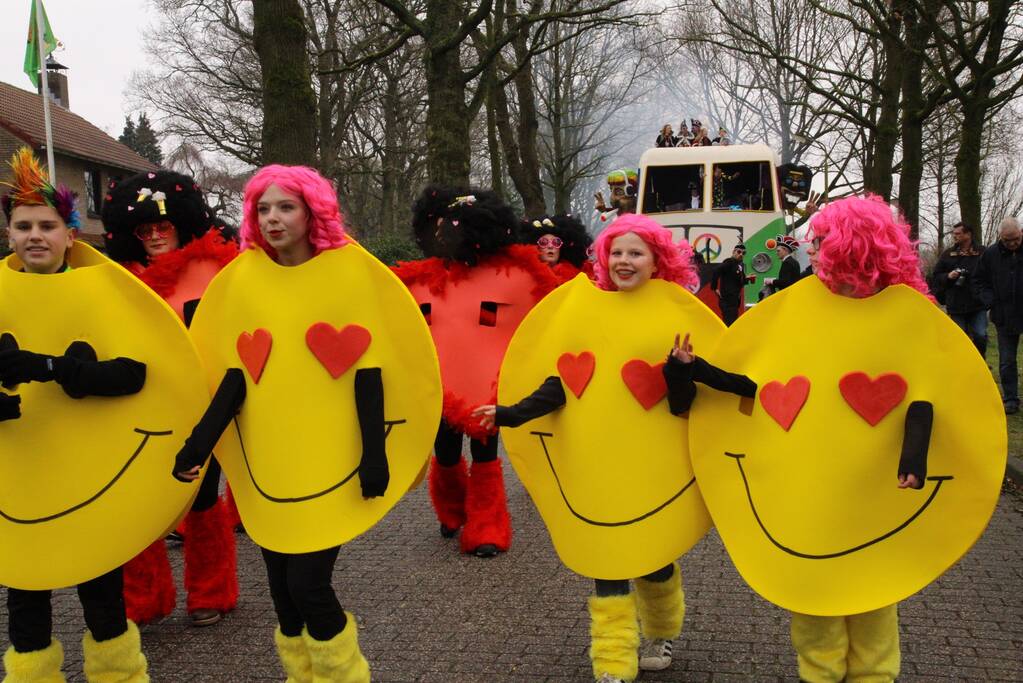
[655, 655]
[608, 678]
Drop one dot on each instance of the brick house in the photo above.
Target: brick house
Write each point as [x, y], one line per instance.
[86, 157]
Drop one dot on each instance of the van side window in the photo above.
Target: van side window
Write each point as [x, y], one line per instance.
[673, 188]
[742, 186]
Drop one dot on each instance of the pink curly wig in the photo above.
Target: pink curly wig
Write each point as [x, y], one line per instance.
[326, 229]
[865, 247]
[674, 261]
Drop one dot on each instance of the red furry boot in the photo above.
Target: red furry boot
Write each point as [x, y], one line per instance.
[488, 527]
[234, 520]
[149, 585]
[211, 566]
[447, 491]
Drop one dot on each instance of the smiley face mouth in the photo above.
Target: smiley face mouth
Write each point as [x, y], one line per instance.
[625, 522]
[388, 425]
[827, 556]
[146, 434]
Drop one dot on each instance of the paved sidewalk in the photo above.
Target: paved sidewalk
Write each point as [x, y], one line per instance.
[428, 614]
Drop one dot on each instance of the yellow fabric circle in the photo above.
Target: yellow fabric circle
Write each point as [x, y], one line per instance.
[85, 484]
[612, 480]
[812, 517]
[293, 452]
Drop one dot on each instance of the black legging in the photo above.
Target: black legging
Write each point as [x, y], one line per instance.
[448, 447]
[30, 615]
[302, 594]
[607, 587]
[209, 489]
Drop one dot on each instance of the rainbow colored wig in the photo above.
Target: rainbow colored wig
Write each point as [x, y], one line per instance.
[326, 229]
[674, 261]
[865, 247]
[30, 186]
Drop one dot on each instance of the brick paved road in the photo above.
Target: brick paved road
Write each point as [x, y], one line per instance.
[428, 614]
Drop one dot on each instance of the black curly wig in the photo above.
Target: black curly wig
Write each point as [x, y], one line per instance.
[462, 224]
[129, 203]
[575, 240]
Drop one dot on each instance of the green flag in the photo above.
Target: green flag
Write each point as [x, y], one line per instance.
[31, 48]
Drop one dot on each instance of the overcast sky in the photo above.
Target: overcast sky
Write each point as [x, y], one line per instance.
[102, 46]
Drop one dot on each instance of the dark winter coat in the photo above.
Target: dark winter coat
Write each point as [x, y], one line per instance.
[957, 295]
[998, 284]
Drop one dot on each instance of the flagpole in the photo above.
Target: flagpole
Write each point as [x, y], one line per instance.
[44, 76]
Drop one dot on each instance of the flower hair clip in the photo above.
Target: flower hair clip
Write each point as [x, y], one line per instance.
[465, 200]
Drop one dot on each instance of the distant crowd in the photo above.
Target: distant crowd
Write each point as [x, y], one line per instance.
[693, 135]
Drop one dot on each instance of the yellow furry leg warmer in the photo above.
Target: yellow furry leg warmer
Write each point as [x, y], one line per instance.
[118, 660]
[822, 645]
[614, 636]
[339, 659]
[874, 655]
[662, 606]
[40, 666]
[294, 657]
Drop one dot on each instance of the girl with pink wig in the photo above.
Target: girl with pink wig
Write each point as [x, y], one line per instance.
[860, 246]
[632, 251]
[291, 213]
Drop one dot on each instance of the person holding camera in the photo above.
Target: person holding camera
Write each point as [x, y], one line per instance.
[950, 283]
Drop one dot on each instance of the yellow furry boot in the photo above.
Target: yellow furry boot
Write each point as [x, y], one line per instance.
[40, 666]
[662, 607]
[118, 660]
[294, 657]
[614, 637]
[339, 659]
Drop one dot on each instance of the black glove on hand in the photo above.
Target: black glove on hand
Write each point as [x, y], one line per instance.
[374, 474]
[18, 367]
[10, 407]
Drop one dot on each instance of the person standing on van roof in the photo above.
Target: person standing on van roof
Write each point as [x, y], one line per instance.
[667, 137]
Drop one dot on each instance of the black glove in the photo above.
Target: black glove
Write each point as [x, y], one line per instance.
[374, 473]
[10, 407]
[18, 367]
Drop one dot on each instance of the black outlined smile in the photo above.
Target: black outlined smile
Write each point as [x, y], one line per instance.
[93, 498]
[827, 556]
[388, 424]
[595, 522]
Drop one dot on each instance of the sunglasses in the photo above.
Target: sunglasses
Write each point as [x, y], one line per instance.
[147, 230]
[545, 242]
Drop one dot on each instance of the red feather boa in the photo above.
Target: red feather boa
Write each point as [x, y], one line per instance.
[164, 271]
[436, 273]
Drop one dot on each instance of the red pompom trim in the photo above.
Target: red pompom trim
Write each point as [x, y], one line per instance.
[164, 271]
[458, 413]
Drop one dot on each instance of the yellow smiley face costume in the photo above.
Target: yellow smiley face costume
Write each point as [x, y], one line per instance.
[804, 490]
[609, 471]
[300, 334]
[85, 483]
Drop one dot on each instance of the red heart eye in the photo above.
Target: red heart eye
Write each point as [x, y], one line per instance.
[337, 349]
[784, 401]
[253, 349]
[645, 381]
[576, 371]
[873, 398]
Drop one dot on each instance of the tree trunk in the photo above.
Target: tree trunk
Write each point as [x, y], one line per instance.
[289, 105]
[528, 129]
[878, 178]
[493, 144]
[968, 162]
[912, 120]
[447, 115]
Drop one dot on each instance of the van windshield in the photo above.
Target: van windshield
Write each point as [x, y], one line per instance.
[742, 186]
[673, 188]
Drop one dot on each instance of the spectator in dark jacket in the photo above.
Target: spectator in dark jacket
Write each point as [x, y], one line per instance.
[728, 280]
[998, 284]
[951, 284]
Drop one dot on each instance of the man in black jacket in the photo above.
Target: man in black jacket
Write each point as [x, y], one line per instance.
[951, 284]
[998, 284]
[789, 274]
[731, 276]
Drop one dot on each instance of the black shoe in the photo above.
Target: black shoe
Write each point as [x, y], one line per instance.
[486, 550]
[1011, 408]
[447, 532]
